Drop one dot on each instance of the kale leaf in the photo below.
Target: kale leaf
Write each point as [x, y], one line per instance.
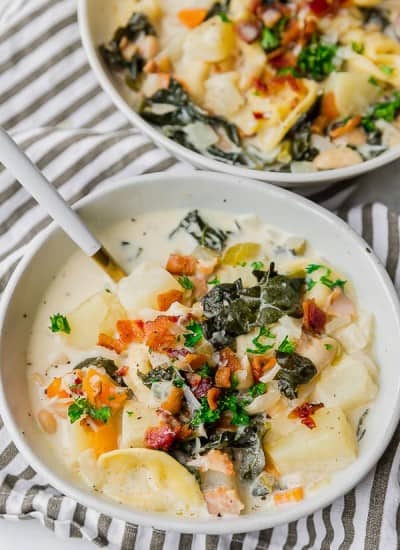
[202, 232]
[232, 310]
[300, 141]
[81, 407]
[295, 370]
[158, 374]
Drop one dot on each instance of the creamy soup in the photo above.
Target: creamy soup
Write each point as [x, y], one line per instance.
[287, 85]
[229, 372]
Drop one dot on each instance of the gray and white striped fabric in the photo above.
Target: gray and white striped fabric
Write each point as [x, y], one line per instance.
[54, 108]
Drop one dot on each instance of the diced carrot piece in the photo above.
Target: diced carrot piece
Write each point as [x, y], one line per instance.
[104, 438]
[173, 403]
[260, 365]
[228, 358]
[158, 333]
[181, 265]
[54, 389]
[191, 18]
[223, 377]
[166, 299]
[328, 106]
[346, 128]
[110, 343]
[130, 331]
[291, 495]
[101, 391]
[212, 398]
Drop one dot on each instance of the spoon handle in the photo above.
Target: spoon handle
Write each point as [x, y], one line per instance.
[45, 194]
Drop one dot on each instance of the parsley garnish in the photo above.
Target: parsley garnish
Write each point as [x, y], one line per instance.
[374, 81]
[130, 413]
[386, 110]
[256, 266]
[195, 335]
[204, 372]
[386, 69]
[236, 406]
[205, 415]
[59, 323]
[185, 282]
[178, 382]
[316, 60]
[214, 281]
[310, 284]
[260, 348]
[269, 39]
[224, 17]
[310, 268]
[81, 407]
[286, 346]
[328, 346]
[257, 389]
[358, 47]
[234, 381]
[325, 280]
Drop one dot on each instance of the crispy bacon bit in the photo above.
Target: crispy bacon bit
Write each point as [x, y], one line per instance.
[228, 358]
[181, 265]
[260, 86]
[130, 331]
[159, 334]
[177, 353]
[260, 365]
[173, 403]
[257, 115]
[123, 371]
[314, 318]
[195, 360]
[201, 387]
[249, 31]
[325, 7]
[166, 299]
[291, 33]
[111, 343]
[223, 377]
[282, 60]
[304, 412]
[212, 398]
[160, 437]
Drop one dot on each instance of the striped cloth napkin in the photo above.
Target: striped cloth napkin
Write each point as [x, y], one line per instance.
[51, 103]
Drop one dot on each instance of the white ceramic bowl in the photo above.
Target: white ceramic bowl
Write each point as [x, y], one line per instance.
[97, 21]
[328, 234]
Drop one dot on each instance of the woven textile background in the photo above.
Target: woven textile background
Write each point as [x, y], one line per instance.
[51, 103]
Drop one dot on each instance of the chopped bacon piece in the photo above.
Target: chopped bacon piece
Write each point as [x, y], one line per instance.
[177, 353]
[304, 412]
[111, 343]
[223, 500]
[260, 86]
[214, 460]
[181, 265]
[325, 7]
[249, 31]
[212, 398]
[173, 403]
[195, 360]
[257, 115]
[123, 371]
[159, 334]
[283, 60]
[166, 299]
[260, 364]
[202, 387]
[160, 437]
[291, 33]
[314, 318]
[223, 377]
[130, 331]
[228, 358]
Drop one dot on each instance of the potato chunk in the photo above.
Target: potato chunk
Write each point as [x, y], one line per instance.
[222, 94]
[99, 313]
[347, 384]
[140, 289]
[353, 92]
[136, 418]
[331, 445]
[211, 41]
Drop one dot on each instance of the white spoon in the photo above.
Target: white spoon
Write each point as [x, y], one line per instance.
[47, 196]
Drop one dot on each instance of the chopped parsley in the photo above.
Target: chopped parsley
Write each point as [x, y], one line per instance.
[310, 268]
[130, 413]
[195, 335]
[385, 110]
[81, 407]
[178, 382]
[316, 60]
[185, 282]
[328, 346]
[310, 284]
[269, 39]
[259, 347]
[205, 415]
[324, 279]
[358, 47]
[59, 323]
[205, 372]
[374, 81]
[386, 69]
[234, 381]
[258, 389]
[214, 281]
[286, 346]
[224, 17]
[256, 266]
[233, 403]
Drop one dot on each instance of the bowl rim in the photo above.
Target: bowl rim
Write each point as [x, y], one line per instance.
[287, 180]
[247, 523]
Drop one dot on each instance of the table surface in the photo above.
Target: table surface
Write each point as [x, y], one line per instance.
[379, 186]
